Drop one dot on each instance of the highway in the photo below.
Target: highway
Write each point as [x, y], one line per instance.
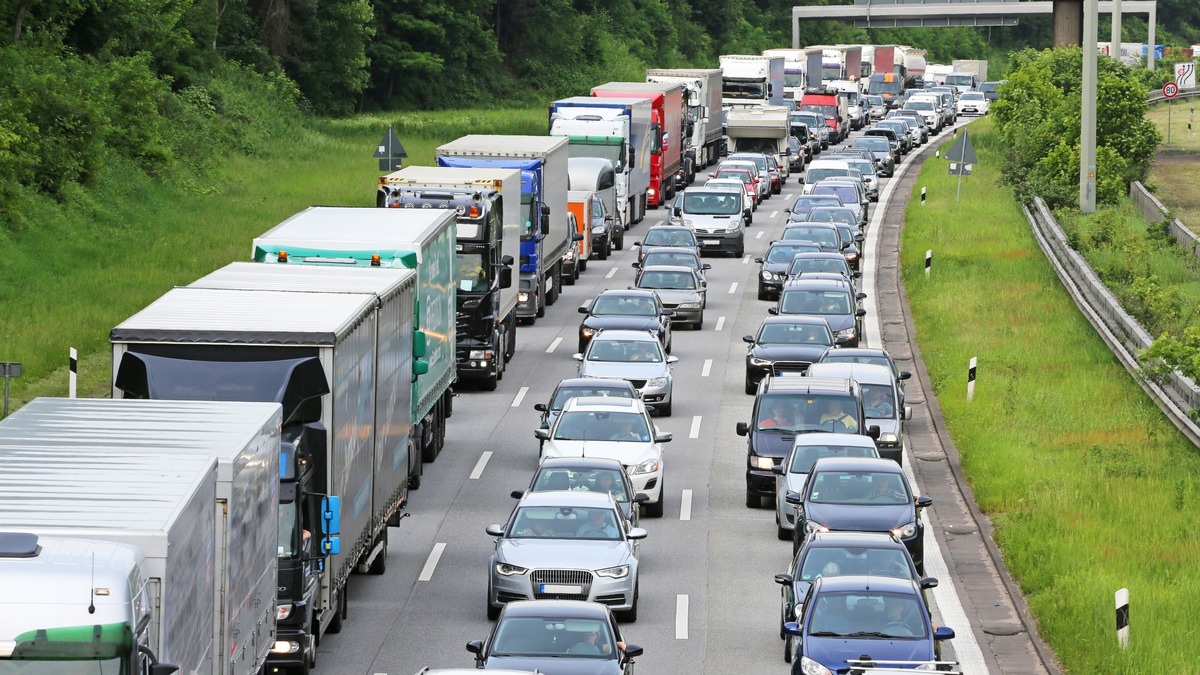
[708, 600]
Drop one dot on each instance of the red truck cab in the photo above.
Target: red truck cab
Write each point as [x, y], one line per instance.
[829, 106]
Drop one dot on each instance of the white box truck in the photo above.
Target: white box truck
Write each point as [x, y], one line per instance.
[794, 63]
[244, 438]
[750, 80]
[704, 116]
[763, 129]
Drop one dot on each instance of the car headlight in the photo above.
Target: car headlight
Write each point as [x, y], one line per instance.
[480, 355]
[810, 667]
[599, 229]
[763, 463]
[851, 256]
[510, 570]
[587, 332]
[285, 647]
[648, 466]
[656, 382]
[848, 333]
[906, 531]
[889, 437]
[689, 305]
[733, 227]
[759, 363]
[687, 223]
[283, 611]
[618, 572]
[811, 527]
[767, 276]
[522, 297]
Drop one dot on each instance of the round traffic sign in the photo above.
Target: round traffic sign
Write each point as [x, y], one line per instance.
[1170, 90]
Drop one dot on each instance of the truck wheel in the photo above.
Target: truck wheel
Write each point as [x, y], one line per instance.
[642, 212]
[619, 242]
[555, 285]
[570, 278]
[414, 476]
[379, 564]
[541, 300]
[335, 626]
[582, 265]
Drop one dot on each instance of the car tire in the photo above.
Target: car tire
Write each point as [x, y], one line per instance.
[629, 615]
[582, 266]
[655, 509]
[782, 534]
[699, 325]
[619, 244]
[751, 386]
[489, 383]
[493, 613]
[665, 410]
[787, 649]
[603, 253]
[762, 292]
[753, 501]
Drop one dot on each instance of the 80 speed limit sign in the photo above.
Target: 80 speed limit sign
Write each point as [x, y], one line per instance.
[1170, 90]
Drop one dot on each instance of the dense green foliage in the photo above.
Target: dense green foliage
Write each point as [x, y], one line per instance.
[1038, 115]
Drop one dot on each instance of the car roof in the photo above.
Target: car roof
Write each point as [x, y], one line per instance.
[637, 292]
[819, 255]
[795, 382]
[672, 249]
[669, 227]
[795, 319]
[580, 463]
[863, 373]
[669, 268]
[724, 185]
[854, 582]
[630, 335]
[817, 285]
[575, 609]
[877, 465]
[592, 382]
[573, 498]
[825, 438]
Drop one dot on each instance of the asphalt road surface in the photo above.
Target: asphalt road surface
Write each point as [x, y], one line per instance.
[708, 600]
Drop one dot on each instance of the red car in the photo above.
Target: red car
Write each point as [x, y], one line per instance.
[743, 175]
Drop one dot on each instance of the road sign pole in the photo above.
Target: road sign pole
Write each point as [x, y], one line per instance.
[962, 154]
[1087, 145]
[1170, 104]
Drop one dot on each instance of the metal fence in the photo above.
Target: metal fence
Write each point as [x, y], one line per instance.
[1154, 212]
[1176, 395]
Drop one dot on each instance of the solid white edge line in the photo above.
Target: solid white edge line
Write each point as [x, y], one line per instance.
[681, 617]
[611, 273]
[966, 647]
[704, 372]
[480, 465]
[694, 432]
[733, 288]
[720, 323]
[685, 505]
[520, 397]
[554, 345]
[431, 563]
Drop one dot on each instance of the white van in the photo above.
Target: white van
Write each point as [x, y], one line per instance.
[823, 168]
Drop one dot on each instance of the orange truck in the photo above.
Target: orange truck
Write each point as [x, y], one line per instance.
[579, 205]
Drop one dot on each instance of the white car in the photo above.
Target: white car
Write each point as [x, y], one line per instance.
[792, 473]
[748, 200]
[973, 103]
[612, 428]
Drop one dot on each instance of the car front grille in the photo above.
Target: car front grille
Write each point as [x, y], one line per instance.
[790, 366]
[638, 384]
[611, 599]
[582, 578]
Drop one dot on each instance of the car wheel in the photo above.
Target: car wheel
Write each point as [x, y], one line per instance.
[603, 253]
[655, 509]
[751, 387]
[489, 383]
[619, 244]
[699, 324]
[493, 613]
[762, 292]
[782, 534]
[629, 615]
[665, 410]
[753, 501]
[582, 266]
[787, 649]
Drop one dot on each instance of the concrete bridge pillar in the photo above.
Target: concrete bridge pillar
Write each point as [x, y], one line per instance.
[1068, 23]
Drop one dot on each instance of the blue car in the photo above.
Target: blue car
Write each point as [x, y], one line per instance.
[847, 619]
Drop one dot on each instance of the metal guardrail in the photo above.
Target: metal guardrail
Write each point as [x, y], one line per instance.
[1176, 395]
[1153, 211]
[1157, 97]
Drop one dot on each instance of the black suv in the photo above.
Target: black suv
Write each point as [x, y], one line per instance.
[788, 404]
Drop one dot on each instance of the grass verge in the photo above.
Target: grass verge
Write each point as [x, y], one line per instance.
[1174, 182]
[72, 275]
[1179, 113]
[1090, 488]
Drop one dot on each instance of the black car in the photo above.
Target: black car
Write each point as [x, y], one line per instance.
[576, 387]
[775, 263]
[857, 494]
[991, 90]
[783, 344]
[804, 204]
[630, 309]
[885, 159]
[853, 240]
[791, 403]
[899, 138]
[821, 263]
[834, 301]
[555, 637]
[674, 255]
[591, 474]
[827, 554]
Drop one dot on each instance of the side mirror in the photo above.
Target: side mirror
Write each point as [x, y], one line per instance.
[506, 275]
[758, 260]
[507, 260]
[495, 530]
[774, 311]
[845, 246]
[860, 313]
[873, 432]
[641, 498]
[541, 407]
[576, 237]
[672, 359]
[577, 357]
[583, 309]
[860, 238]
[663, 437]
[792, 497]
[787, 210]
[164, 669]
[791, 628]
[608, 219]
[904, 375]
[778, 470]
[748, 339]
[637, 533]
[636, 265]
[633, 651]
[924, 502]
[668, 312]
[855, 274]
[928, 582]
[545, 219]
[542, 434]
[517, 494]
[907, 412]
[705, 267]
[943, 633]
[860, 296]
[632, 158]
[743, 429]
[784, 579]
[637, 243]
[475, 647]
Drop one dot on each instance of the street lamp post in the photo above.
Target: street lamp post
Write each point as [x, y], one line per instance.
[1087, 139]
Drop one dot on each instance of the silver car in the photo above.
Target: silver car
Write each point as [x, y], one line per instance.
[632, 355]
[565, 546]
[791, 474]
[882, 402]
[681, 290]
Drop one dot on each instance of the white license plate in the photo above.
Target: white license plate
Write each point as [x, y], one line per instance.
[561, 589]
[711, 242]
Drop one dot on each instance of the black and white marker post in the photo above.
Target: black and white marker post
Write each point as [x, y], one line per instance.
[1122, 598]
[928, 262]
[971, 380]
[74, 372]
[922, 196]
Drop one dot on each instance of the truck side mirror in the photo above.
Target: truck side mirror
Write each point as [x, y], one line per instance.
[544, 219]
[506, 277]
[576, 237]
[331, 518]
[507, 261]
[420, 346]
[632, 158]
[420, 366]
[164, 669]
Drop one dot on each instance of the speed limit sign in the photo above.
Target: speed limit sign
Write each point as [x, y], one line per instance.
[1170, 90]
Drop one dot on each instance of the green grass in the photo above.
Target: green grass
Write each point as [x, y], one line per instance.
[73, 274]
[1174, 183]
[1090, 488]
[1179, 112]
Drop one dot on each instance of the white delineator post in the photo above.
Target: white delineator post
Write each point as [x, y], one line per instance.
[928, 262]
[922, 196]
[1122, 600]
[74, 373]
[971, 379]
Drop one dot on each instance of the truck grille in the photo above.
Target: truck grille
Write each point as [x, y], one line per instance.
[581, 578]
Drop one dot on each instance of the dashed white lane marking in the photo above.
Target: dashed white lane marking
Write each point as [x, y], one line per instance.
[746, 259]
[733, 288]
[694, 432]
[774, 214]
[481, 465]
[554, 345]
[787, 196]
[720, 323]
[681, 617]
[431, 563]
[685, 505]
[759, 235]
[611, 273]
[520, 397]
[707, 368]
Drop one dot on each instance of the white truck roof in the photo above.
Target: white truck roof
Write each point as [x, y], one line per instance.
[383, 282]
[336, 227]
[452, 177]
[501, 145]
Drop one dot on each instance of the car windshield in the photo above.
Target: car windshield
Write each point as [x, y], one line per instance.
[989, 86]
[834, 215]
[960, 80]
[795, 334]
[805, 456]
[625, 351]
[553, 636]
[826, 303]
[669, 238]
[864, 167]
[564, 522]
[671, 258]
[833, 561]
[866, 614]
[590, 425]
[759, 160]
[823, 236]
[808, 412]
[846, 234]
[879, 400]
[811, 118]
[846, 193]
[919, 105]
[973, 96]
[783, 253]
[801, 265]
[834, 357]
[815, 175]
[874, 100]
[565, 394]
[804, 204]
[623, 305]
[711, 203]
[672, 281]
[741, 175]
[874, 144]
[858, 487]
[611, 481]
[828, 111]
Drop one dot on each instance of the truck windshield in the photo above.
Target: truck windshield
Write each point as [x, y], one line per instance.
[791, 80]
[100, 649]
[289, 523]
[828, 111]
[530, 218]
[960, 80]
[744, 89]
[879, 86]
[205, 380]
[472, 272]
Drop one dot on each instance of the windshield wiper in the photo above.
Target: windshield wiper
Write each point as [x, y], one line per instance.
[870, 633]
[826, 633]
